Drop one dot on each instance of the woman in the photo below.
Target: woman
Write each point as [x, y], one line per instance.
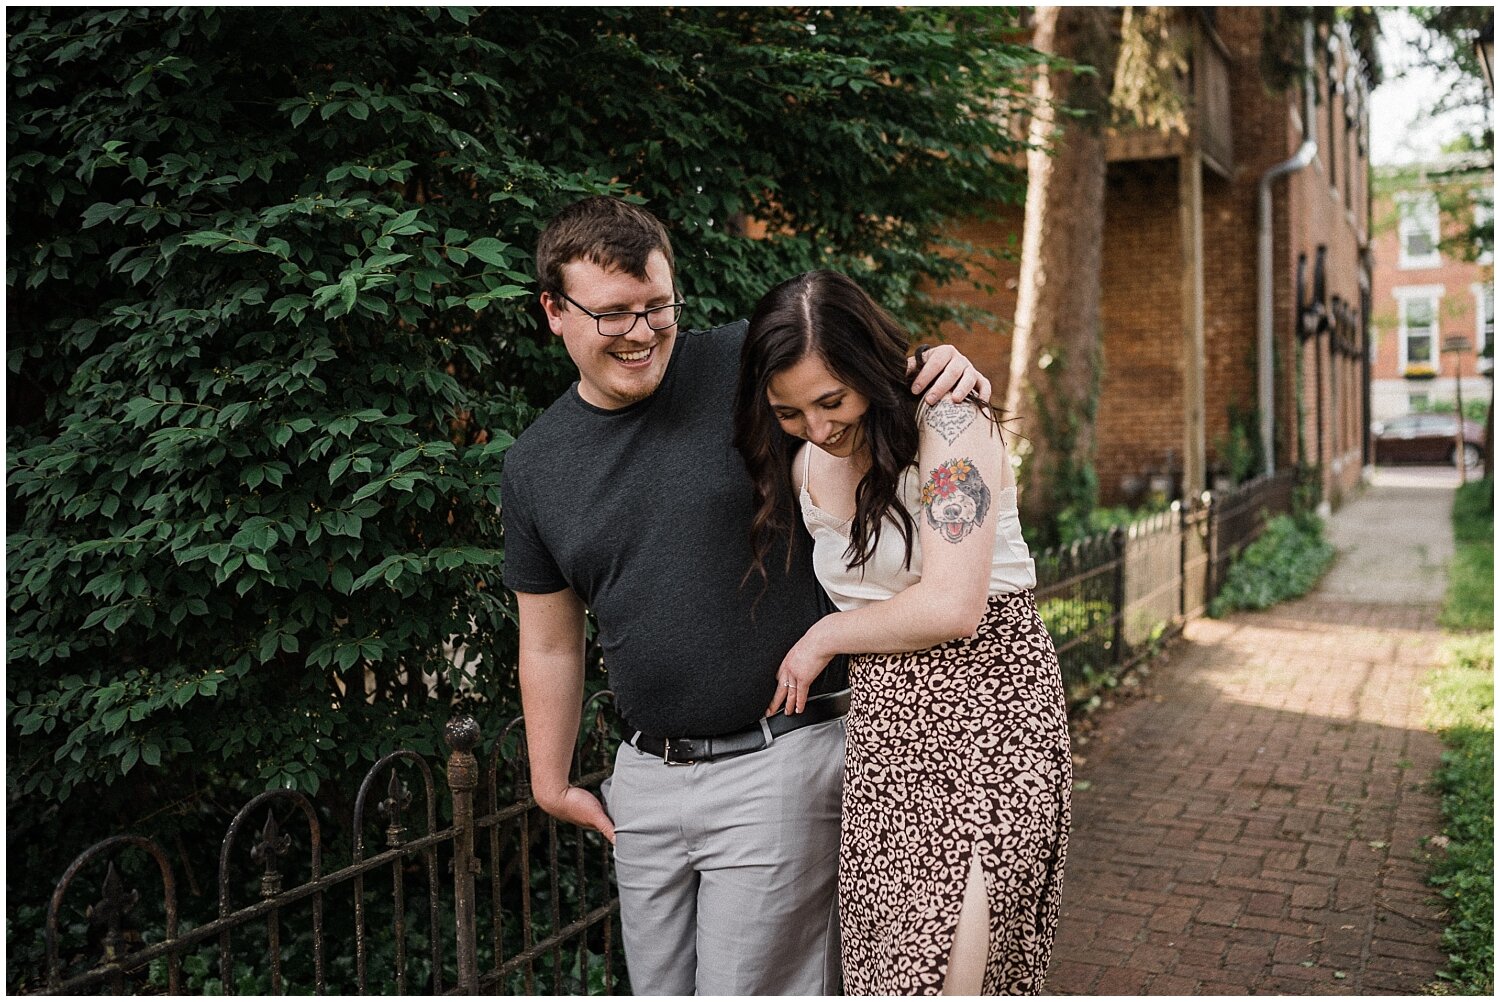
[957, 773]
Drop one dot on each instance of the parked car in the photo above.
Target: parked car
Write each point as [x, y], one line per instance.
[1427, 438]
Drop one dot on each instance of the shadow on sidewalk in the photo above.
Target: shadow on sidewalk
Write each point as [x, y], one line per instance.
[1256, 821]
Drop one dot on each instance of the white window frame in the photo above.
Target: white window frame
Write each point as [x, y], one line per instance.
[1416, 209]
[1484, 297]
[1484, 218]
[1433, 294]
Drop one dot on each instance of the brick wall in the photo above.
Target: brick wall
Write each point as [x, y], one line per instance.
[987, 342]
[1141, 405]
[1328, 207]
[1141, 427]
[1457, 312]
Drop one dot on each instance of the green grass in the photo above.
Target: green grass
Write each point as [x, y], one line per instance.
[1470, 601]
[1461, 708]
[1474, 512]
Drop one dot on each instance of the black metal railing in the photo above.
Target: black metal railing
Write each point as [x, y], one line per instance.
[542, 923]
[510, 901]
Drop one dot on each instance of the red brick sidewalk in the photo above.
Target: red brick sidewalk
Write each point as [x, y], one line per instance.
[1256, 825]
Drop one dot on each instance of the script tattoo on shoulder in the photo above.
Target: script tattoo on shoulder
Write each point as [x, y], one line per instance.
[955, 499]
[949, 419]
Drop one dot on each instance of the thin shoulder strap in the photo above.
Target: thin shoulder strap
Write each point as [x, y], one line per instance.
[807, 468]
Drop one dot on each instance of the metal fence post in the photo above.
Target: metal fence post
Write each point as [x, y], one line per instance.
[462, 734]
[1211, 534]
[1117, 546]
[1184, 513]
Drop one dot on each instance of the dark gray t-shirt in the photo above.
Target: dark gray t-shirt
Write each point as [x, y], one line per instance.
[644, 512]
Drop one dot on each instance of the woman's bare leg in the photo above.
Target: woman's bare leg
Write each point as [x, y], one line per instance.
[971, 940]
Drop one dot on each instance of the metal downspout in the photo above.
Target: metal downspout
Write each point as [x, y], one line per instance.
[1265, 354]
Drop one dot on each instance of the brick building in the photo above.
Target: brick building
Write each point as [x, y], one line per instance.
[1427, 295]
[1181, 397]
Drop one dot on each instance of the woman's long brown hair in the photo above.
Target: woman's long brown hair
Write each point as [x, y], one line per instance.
[826, 314]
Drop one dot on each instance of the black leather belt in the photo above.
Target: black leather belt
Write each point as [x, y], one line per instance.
[686, 751]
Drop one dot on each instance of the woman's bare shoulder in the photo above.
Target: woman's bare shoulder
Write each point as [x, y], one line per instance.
[799, 465]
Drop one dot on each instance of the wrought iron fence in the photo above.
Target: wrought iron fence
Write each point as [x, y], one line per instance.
[509, 901]
[543, 922]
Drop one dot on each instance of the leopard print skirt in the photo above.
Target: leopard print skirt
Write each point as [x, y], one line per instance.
[958, 749]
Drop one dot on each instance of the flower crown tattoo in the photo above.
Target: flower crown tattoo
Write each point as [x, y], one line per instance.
[955, 499]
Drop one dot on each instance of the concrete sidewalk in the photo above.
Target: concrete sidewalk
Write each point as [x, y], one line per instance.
[1256, 823]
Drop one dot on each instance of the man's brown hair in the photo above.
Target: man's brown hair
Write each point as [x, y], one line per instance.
[602, 230]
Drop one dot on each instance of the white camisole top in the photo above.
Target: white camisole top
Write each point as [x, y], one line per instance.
[885, 574]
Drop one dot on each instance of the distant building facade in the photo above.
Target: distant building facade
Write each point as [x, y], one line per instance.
[1432, 293]
[1181, 397]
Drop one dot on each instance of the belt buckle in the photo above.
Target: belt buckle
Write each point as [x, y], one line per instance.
[666, 752]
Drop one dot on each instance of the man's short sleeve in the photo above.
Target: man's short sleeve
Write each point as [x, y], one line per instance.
[529, 565]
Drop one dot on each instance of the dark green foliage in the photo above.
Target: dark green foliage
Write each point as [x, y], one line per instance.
[1086, 626]
[1238, 451]
[271, 328]
[1099, 520]
[1285, 562]
[1466, 876]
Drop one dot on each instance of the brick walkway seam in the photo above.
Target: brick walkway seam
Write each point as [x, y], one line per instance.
[1256, 824]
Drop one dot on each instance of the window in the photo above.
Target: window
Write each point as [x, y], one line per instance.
[1418, 230]
[1484, 219]
[1418, 340]
[1417, 321]
[1484, 325]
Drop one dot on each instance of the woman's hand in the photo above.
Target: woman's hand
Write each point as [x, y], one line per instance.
[799, 669]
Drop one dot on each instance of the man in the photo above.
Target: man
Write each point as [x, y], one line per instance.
[627, 497]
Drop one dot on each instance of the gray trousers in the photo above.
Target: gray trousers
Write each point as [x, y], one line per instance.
[728, 870]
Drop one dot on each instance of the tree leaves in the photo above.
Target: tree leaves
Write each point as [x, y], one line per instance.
[231, 425]
[272, 330]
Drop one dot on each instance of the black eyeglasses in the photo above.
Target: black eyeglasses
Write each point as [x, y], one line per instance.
[622, 322]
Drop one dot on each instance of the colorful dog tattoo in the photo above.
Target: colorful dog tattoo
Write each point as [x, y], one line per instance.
[956, 499]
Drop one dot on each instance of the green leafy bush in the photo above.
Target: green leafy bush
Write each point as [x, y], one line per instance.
[271, 329]
[1072, 527]
[1086, 626]
[1285, 562]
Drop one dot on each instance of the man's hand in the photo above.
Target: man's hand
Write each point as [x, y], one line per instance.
[945, 372]
[551, 670]
[578, 806]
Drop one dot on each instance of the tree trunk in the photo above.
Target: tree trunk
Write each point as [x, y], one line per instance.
[1053, 390]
